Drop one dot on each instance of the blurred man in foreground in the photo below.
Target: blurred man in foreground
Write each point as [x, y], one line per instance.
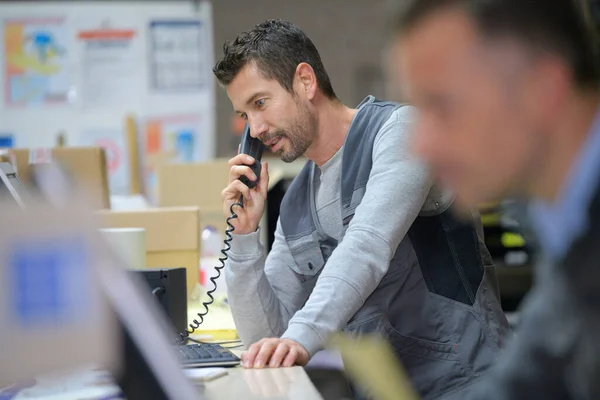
[507, 93]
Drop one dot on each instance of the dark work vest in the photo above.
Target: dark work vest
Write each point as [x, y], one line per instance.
[434, 305]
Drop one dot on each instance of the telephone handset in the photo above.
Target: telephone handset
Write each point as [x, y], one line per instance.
[254, 148]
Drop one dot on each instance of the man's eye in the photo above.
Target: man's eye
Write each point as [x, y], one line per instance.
[260, 102]
[244, 116]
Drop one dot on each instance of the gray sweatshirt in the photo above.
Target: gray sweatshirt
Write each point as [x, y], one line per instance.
[268, 299]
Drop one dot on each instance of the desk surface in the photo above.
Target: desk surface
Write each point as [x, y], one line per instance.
[239, 383]
[250, 384]
[269, 383]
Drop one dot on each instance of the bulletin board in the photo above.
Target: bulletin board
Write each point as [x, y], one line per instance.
[80, 68]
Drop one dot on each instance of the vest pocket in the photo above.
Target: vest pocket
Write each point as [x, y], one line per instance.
[419, 347]
[309, 261]
[370, 322]
[432, 367]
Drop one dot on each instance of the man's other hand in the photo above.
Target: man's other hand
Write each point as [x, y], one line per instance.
[274, 353]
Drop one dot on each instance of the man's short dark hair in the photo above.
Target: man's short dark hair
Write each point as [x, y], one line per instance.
[277, 48]
[555, 26]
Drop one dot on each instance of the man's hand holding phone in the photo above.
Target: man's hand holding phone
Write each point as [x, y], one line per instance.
[254, 199]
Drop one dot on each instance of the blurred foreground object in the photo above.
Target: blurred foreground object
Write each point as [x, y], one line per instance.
[68, 301]
[370, 362]
[51, 307]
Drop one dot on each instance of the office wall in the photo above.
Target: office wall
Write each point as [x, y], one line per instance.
[80, 67]
[350, 35]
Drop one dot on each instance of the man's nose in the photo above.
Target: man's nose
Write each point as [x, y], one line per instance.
[257, 128]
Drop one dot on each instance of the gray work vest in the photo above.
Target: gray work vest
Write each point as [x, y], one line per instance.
[434, 304]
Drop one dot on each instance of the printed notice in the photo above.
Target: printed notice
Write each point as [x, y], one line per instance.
[110, 66]
[178, 56]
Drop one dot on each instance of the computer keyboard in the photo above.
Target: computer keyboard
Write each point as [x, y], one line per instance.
[206, 355]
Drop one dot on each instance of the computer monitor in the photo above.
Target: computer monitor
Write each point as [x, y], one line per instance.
[151, 369]
[10, 184]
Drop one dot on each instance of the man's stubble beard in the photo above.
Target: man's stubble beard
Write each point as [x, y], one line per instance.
[300, 135]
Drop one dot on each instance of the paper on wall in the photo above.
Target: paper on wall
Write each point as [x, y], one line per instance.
[7, 140]
[112, 140]
[172, 138]
[110, 63]
[36, 62]
[178, 59]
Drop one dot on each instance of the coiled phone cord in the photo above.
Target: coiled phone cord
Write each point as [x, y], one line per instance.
[225, 250]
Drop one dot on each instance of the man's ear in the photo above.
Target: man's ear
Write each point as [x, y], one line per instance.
[552, 82]
[305, 81]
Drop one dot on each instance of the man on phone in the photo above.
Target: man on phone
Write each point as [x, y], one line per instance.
[364, 242]
[508, 97]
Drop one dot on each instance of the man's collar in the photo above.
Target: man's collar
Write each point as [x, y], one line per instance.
[559, 223]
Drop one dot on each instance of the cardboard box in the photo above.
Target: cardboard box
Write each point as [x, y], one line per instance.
[201, 184]
[213, 218]
[172, 236]
[197, 184]
[87, 165]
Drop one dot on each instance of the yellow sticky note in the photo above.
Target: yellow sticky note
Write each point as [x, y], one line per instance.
[371, 363]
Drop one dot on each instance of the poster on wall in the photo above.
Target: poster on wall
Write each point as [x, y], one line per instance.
[117, 156]
[178, 136]
[110, 65]
[178, 55]
[36, 69]
[173, 138]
